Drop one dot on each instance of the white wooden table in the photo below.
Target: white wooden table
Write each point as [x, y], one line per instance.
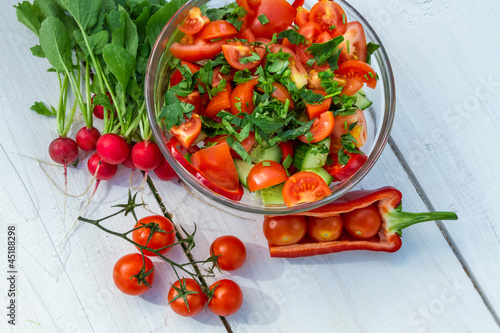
[443, 155]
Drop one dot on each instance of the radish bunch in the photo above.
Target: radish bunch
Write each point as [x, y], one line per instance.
[102, 63]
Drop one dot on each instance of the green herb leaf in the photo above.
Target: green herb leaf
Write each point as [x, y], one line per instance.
[370, 49]
[293, 36]
[41, 109]
[327, 52]
[174, 112]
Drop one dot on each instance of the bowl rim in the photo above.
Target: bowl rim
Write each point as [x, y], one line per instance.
[341, 189]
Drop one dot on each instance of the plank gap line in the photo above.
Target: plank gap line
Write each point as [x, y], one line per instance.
[449, 239]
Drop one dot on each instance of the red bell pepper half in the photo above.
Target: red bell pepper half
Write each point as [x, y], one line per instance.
[388, 202]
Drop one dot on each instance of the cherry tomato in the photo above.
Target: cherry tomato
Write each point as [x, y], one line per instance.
[323, 38]
[355, 36]
[304, 186]
[363, 222]
[321, 127]
[194, 21]
[284, 230]
[302, 16]
[357, 72]
[128, 266]
[242, 97]
[280, 15]
[265, 174]
[341, 126]
[217, 29]
[177, 77]
[342, 172]
[217, 165]
[187, 132]
[227, 297]
[324, 229]
[159, 239]
[330, 16]
[248, 35]
[219, 102]
[200, 50]
[315, 110]
[237, 52]
[231, 250]
[196, 301]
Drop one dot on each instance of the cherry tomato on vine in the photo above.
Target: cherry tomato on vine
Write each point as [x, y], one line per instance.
[284, 230]
[325, 229]
[196, 301]
[304, 186]
[363, 222]
[159, 239]
[227, 297]
[231, 250]
[126, 270]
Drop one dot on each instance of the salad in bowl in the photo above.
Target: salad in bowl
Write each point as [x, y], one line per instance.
[270, 106]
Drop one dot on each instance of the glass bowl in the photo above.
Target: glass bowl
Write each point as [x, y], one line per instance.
[379, 115]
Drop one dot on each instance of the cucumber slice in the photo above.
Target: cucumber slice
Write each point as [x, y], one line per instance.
[323, 174]
[261, 153]
[308, 156]
[243, 169]
[202, 136]
[272, 195]
[361, 92]
[362, 102]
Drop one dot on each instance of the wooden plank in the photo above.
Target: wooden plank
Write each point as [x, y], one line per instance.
[422, 287]
[447, 117]
[66, 283]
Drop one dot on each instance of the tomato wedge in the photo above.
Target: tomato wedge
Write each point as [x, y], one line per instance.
[217, 165]
[200, 50]
[330, 16]
[247, 143]
[242, 97]
[238, 54]
[173, 146]
[304, 186]
[321, 127]
[342, 172]
[249, 5]
[279, 13]
[314, 110]
[341, 126]
[354, 36]
[188, 131]
[194, 99]
[299, 73]
[356, 72]
[302, 16]
[221, 101]
[194, 21]
[310, 30]
[265, 174]
[217, 29]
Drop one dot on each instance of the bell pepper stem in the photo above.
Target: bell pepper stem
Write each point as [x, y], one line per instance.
[398, 220]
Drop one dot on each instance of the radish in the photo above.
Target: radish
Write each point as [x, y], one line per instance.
[165, 171]
[86, 138]
[128, 161]
[63, 151]
[113, 149]
[106, 171]
[146, 155]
